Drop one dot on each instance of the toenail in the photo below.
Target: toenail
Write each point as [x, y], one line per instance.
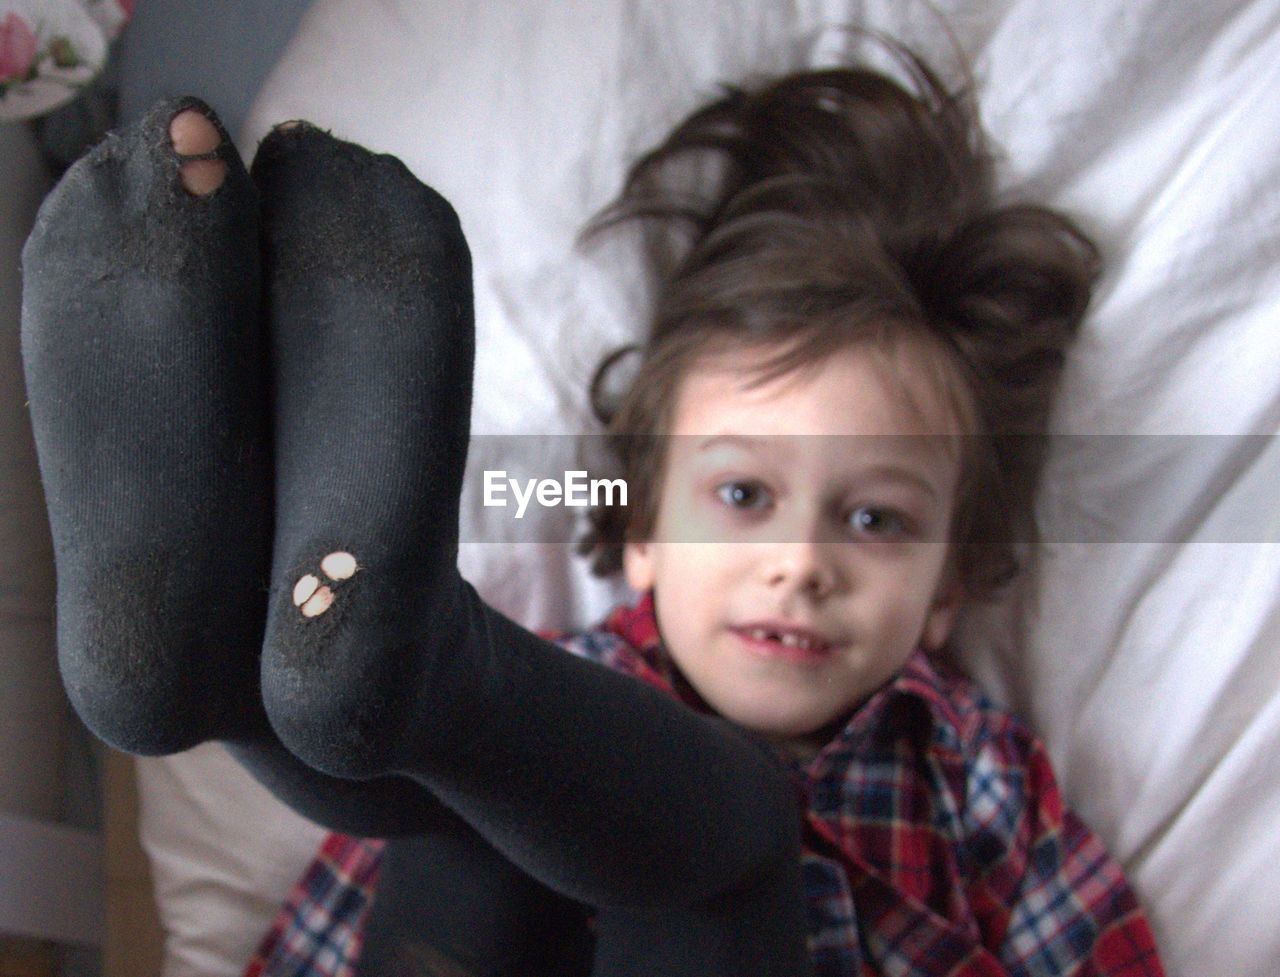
[192, 134]
[304, 588]
[338, 566]
[290, 125]
[318, 603]
[203, 176]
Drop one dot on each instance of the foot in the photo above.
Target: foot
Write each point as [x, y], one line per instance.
[369, 304]
[140, 333]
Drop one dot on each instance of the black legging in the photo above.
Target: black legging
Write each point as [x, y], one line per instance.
[408, 708]
[679, 831]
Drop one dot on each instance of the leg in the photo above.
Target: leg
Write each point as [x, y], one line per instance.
[141, 343]
[450, 906]
[742, 932]
[140, 331]
[447, 904]
[380, 660]
[381, 807]
[144, 367]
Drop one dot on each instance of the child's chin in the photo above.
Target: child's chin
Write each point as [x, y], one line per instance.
[779, 725]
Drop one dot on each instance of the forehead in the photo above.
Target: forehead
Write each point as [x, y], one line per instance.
[856, 390]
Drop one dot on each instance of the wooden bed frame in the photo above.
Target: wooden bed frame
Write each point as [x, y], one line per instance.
[133, 941]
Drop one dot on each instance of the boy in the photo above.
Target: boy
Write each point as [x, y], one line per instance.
[817, 433]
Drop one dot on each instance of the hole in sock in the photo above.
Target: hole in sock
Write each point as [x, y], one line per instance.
[202, 176]
[339, 566]
[193, 134]
[304, 588]
[318, 603]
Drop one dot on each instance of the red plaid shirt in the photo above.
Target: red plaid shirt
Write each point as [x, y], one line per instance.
[936, 843]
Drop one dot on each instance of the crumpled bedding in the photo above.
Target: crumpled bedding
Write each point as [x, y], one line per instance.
[50, 50]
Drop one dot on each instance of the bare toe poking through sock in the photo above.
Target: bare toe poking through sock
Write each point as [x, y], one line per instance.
[305, 588]
[312, 597]
[339, 566]
[318, 602]
[192, 134]
[202, 176]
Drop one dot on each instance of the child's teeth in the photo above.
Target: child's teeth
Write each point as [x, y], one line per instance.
[786, 638]
[796, 641]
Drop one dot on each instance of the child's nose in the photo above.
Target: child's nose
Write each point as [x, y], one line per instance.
[807, 564]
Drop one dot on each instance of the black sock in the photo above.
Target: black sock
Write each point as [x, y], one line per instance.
[380, 660]
[140, 334]
[369, 304]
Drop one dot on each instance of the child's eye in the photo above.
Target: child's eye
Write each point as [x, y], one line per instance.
[743, 495]
[873, 521]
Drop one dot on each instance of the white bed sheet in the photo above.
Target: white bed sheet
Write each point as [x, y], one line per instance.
[1146, 650]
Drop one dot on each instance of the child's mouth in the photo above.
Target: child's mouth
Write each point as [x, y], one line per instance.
[783, 641]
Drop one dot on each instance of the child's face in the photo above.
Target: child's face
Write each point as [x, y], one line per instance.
[795, 572]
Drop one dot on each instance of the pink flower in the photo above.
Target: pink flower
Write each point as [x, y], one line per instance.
[17, 49]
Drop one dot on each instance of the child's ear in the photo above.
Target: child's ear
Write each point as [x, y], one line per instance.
[942, 616]
[637, 563]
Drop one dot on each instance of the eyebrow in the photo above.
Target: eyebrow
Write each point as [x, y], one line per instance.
[732, 441]
[900, 474]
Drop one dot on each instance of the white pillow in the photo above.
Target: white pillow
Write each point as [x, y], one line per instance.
[1146, 650]
[224, 854]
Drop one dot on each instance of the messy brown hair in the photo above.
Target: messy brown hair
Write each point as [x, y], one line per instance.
[837, 207]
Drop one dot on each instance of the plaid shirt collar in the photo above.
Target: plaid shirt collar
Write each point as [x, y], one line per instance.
[885, 805]
[914, 704]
